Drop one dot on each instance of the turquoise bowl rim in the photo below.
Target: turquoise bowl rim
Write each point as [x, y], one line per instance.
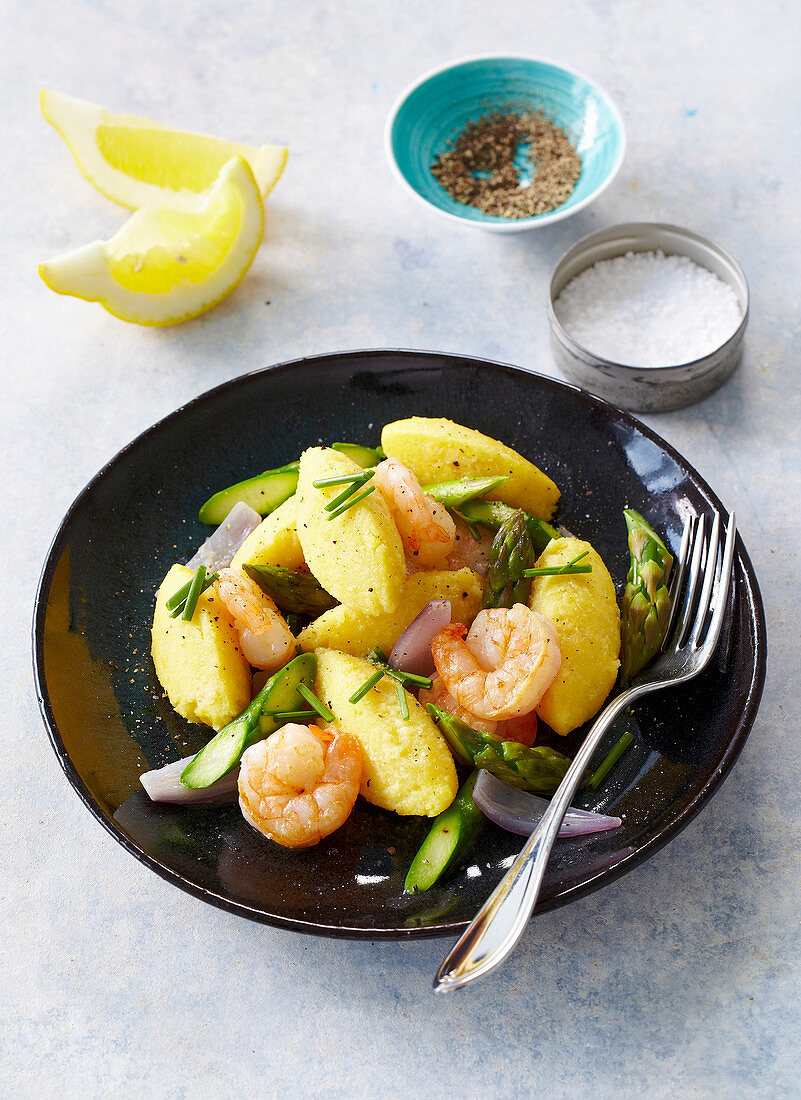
[494, 224]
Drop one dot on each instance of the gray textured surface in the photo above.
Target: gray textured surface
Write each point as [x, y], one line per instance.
[680, 979]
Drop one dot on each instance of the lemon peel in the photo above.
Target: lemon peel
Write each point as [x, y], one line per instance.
[169, 263]
[136, 161]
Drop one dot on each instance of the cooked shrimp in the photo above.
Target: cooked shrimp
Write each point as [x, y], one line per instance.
[439, 695]
[504, 666]
[299, 785]
[266, 640]
[522, 729]
[425, 527]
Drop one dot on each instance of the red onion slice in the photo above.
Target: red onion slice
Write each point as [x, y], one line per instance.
[164, 785]
[412, 651]
[218, 550]
[520, 811]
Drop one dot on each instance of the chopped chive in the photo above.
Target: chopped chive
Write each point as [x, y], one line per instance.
[475, 534]
[343, 479]
[314, 702]
[556, 570]
[340, 498]
[368, 685]
[353, 500]
[471, 525]
[194, 593]
[404, 706]
[178, 599]
[177, 602]
[408, 678]
[609, 761]
[349, 491]
[376, 656]
[287, 713]
[419, 681]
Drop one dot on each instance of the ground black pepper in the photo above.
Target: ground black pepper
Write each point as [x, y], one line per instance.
[490, 145]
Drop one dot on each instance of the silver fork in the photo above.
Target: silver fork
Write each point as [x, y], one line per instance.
[691, 639]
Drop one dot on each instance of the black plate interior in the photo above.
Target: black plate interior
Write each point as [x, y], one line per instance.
[108, 720]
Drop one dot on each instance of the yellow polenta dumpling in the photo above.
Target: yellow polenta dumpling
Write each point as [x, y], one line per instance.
[583, 608]
[199, 663]
[358, 555]
[354, 632]
[406, 763]
[274, 542]
[437, 449]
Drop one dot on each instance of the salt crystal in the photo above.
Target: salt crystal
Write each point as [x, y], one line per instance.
[646, 309]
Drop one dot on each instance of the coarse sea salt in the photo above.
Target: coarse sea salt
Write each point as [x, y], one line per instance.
[646, 309]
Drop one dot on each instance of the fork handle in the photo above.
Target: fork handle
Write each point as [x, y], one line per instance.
[500, 921]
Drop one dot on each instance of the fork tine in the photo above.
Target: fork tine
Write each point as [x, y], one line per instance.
[721, 594]
[710, 569]
[677, 580]
[692, 584]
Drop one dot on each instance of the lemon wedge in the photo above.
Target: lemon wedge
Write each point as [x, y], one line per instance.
[168, 263]
[135, 161]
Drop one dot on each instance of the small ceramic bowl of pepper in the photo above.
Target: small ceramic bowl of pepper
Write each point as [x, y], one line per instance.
[505, 143]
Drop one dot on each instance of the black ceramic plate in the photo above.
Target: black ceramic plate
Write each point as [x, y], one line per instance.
[108, 721]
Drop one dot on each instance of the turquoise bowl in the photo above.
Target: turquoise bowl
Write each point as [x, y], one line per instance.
[433, 111]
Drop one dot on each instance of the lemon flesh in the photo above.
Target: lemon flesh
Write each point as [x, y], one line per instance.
[135, 161]
[167, 264]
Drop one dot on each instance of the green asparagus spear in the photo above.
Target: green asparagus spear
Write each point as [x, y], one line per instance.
[540, 532]
[263, 493]
[450, 834]
[454, 494]
[266, 491]
[539, 768]
[486, 513]
[222, 753]
[492, 513]
[511, 552]
[362, 456]
[645, 610]
[299, 593]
